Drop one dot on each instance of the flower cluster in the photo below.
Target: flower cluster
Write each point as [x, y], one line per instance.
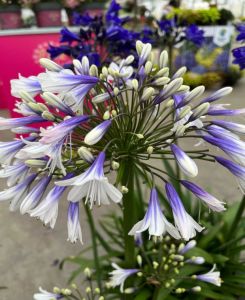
[92, 124]
[102, 38]
[167, 265]
[239, 53]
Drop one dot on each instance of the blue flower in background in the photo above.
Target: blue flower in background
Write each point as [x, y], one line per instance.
[83, 20]
[167, 25]
[239, 55]
[194, 35]
[241, 29]
[68, 36]
[187, 58]
[222, 60]
[56, 51]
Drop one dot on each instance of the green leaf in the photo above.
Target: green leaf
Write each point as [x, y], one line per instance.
[144, 294]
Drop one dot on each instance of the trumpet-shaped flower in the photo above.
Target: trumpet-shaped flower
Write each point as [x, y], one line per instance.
[187, 165]
[60, 131]
[207, 198]
[92, 185]
[47, 210]
[18, 122]
[186, 225]
[235, 169]
[232, 147]
[44, 295]
[73, 223]
[17, 192]
[30, 85]
[234, 127]
[97, 133]
[71, 87]
[119, 275]
[34, 195]
[154, 221]
[211, 277]
[9, 149]
[14, 173]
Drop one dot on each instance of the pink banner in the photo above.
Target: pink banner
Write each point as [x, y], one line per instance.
[20, 54]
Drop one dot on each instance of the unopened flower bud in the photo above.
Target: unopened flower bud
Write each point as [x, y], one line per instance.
[106, 115]
[164, 72]
[101, 98]
[167, 285]
[26, 96]
[48, 116]
[139, 47]
[183, 88]
[139, 260]
[115, 165]
[150, 150]
[184, 112]
[166, 267]
[114, 113]
[50, 65]
[87, 272]
[155, 265]
[93, 71]
[180, 290]
[129, 59]
[163, 60]
[135, 84]
[35, 163]
[161, 81]
[88, 290]
[85, 154]
[74, 286]
[180, 72]
[180, 130]
[105, 71]
[116, 91]
[176, 270]
[148, 92]
[200, 110]
[111, 71]
[56, 290]
[66, 292]
[129, 290]
[101, 298]
[139, 274]
[140, 136]
[148, 67]
[124, 189]
[170, 103]
[97, 291]
[196, 289]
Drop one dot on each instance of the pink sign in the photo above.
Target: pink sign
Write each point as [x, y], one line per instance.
[21, 54]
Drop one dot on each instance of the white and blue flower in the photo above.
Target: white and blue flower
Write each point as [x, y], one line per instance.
[93, 185]
[186, 225]
[154, 221]
[73, 223]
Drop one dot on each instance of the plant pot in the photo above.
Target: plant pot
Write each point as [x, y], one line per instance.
[94, 9]
[48, 14]
[10, 17]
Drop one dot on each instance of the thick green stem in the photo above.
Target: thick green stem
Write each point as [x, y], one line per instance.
[128, 214]
[94, 244]
[238, 216]
[129, 218]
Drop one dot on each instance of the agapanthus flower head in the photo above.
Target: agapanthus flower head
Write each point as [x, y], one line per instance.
[101, 128]
[241, 29]
[239, 57]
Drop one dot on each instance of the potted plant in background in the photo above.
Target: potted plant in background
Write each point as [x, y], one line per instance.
[48, 13]
[10, 14]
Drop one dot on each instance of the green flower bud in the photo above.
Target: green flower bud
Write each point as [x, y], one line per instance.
[135, 84]
[124, 189]
[93, 71]
[115, 165]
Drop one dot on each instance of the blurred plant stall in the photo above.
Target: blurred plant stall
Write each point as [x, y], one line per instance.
[10, 14]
